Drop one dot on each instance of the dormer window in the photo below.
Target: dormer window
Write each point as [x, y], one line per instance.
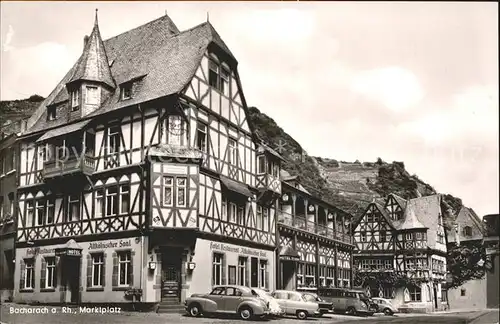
[51, 113]
[126, 91]
[92, 95]
[467, 231]
[218, 77]
[75, 100]
[261, 164]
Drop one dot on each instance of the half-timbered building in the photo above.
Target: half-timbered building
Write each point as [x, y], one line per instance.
[141, 175]
[401, 251]
[315, 246]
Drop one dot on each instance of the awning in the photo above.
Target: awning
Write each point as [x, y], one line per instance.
[71, 248]
[288, 252]
[235, 186]
[68, 129]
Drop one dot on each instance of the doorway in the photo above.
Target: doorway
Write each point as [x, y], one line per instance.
[287, 271]
[171, 274]
[71, 278]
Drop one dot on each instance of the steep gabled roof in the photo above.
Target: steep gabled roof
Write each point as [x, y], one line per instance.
[93, 64]
[410, 219]
[166, 59]
[400, 200]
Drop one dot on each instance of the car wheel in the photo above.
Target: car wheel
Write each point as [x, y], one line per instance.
[194, 310]
[351, 311]
[245, 313]
[387, 311]
[302, 315]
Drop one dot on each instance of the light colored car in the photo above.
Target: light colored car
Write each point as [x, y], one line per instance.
[228, 300]
[294, 303]
[274, 306]
[385, 306]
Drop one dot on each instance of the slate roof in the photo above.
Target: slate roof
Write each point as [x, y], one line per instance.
[67, 129]
[410, 219]
[168, 59]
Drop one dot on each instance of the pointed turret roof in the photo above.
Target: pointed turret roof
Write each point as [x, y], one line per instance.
[93, 64]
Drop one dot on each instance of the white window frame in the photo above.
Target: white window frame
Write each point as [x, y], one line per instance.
[181, 191]
[114, 140]
[261, 169]
[414, 292]
[100, 210]
[260, 216]
[124, 260]
[40, 210]
[202, 129]
[262, 273]
[242, 269]
[50, 272]
[50, 212]
[232, 212]
[30, 211]
[217, 262]
[124, 196]
[168, 185]
[265, 219]
[75, 99]
[224, 81]
[29, 268]
[97, 262]
[240, 216]
[232, 148]
[112, 201]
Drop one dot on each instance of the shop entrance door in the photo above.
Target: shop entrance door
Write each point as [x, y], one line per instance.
[71, 278]
[171, 274]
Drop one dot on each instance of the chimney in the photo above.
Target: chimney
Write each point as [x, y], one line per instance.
[85, 41]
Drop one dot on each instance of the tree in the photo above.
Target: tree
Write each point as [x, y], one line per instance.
[463, 263]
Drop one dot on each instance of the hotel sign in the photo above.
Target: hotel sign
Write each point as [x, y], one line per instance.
[236, 249]
[68, 252]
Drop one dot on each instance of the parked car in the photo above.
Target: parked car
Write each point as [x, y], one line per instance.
[385, 306]
[373, 306]
[294, 303]
[228, 299]
[345, 301]
[274, 307]
[324, 306]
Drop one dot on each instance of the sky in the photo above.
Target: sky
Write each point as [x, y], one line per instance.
[412, 82]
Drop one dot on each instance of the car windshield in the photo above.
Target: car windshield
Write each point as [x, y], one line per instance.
[310, 298]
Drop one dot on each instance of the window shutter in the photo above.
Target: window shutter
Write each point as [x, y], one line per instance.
[43, 273]
[131, 272]
[89, 270]
[223, 270]
[23, 273]
[115, 269]
[103, 272]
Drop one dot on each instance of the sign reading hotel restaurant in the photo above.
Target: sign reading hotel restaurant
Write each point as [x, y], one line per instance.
[38, 250]
[235, 249]
[110, 244]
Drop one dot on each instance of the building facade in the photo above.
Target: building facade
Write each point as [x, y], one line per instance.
[315, 247]
[491, 244]
[401, 252]
[141, 177]
[467, 231]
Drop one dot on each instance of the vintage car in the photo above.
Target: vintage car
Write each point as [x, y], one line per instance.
[345, 301]
[274, 307]
[228, 300]
[294, 303]
[385, 306]
[324, 307]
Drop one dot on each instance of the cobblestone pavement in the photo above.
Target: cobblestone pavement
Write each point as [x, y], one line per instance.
[13, 314]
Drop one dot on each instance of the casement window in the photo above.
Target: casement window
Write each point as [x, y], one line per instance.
[232, 151]
[41, 157]
[112, 201]
[99, 203]
[409, 236]
[300, 274]
[310, 274]
[202, 137]
[415, 294]
[265, 219]
[181, 191]
[29, 274]
[126, 91]
[231, 215]
[114, 140]
[124, 268]
[263, 274]
[218, 77]
[30, 212]
[224, 213]
[176, 130]
[217, 269]
[261, 164]
[383, 236]
[175, 191]
[242, 271]
[259, 217]
[240, 216]
[51, 113]
[49, 273]
[92, 95]
[73, 207]
[388, 264]
[96, 270]
[124, 199]
[40, 212]
[75, 100]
